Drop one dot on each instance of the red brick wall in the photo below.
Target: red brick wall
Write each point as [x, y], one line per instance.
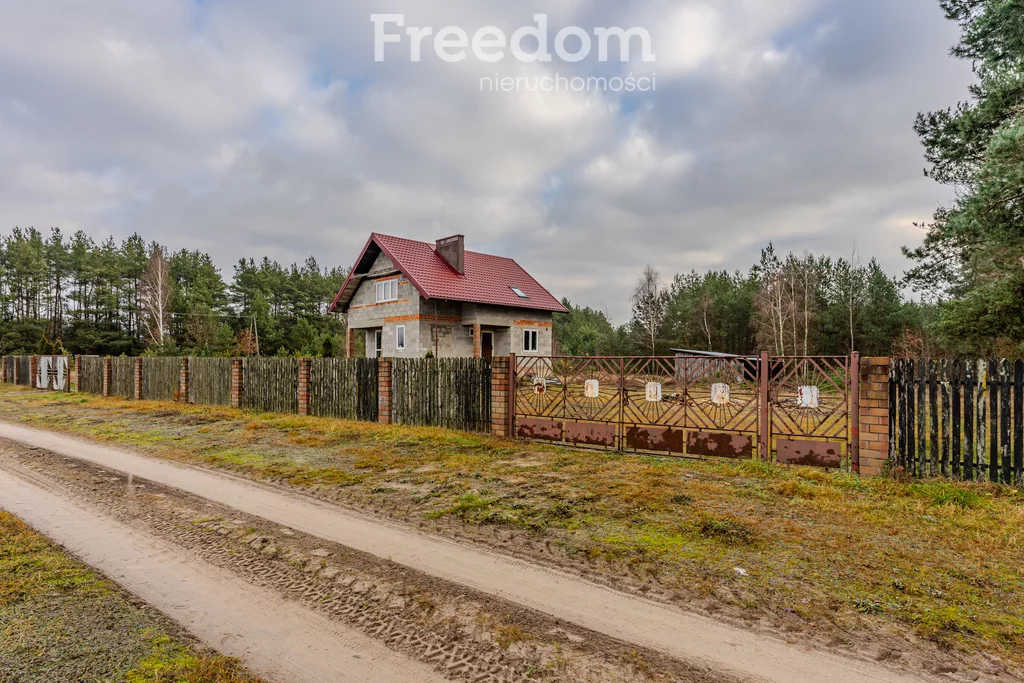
[305, 367]
[384, 390]
[183, 380]
[500, 395]
[874, 415]
[137, 384]
[237, 383]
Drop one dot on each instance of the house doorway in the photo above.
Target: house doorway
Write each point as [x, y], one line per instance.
[487, 345]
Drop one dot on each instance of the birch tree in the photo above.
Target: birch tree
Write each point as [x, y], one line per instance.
[155, 298]
[649, 305]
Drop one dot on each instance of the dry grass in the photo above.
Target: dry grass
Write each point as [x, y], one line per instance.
[60, 621]
[819, 551]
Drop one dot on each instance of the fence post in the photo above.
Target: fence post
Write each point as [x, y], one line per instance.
[478, 341]
[33, 371]
[764, 435]
[237, 382]
[384, 391]
[183, 380]
[137, 379]
[350, 343]
[873, 415]
[854, 408]
[305, 366]
[107, 374]
[75, 376]
[499, 396]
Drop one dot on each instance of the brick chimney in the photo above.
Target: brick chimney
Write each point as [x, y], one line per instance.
[453, 250]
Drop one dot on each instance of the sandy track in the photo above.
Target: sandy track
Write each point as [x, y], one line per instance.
[663, 628]
[275, 638]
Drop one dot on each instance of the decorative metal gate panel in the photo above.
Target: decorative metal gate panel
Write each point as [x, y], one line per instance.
[813, 404]
[728, 406]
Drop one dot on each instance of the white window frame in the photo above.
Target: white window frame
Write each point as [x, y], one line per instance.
[387, 291]
[536, 341]
[378, 343]
[400, 338]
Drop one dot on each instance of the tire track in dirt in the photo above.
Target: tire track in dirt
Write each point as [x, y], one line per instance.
[688, 637]
[272, 636]
[463, 634]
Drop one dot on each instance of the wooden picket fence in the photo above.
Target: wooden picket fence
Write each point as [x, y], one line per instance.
[451, 393]
[209, 381]
[122, 376]
[442, 392]
[344, 388]
[160, 378]
[961, 419]
[271, 385]
[90, 374]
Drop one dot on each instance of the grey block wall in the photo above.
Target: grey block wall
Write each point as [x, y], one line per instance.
[450, 322]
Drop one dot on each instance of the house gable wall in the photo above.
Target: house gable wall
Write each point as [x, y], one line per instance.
[444, 328]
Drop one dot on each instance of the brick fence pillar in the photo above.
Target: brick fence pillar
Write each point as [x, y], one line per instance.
[108, 370]
[384, 390]
[183, 379]
[500, 396]
[874, 415]
[350, 343]
[74, 377]
[137, 380]
[17, 369]
[237, 382]
[478, 341]
[305, 368]
[33, 371]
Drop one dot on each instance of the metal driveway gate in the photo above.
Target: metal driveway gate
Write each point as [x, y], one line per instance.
[802, 409]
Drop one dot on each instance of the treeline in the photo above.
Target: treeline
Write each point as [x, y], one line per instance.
[972, 259]
[792, 305]
[76, 295]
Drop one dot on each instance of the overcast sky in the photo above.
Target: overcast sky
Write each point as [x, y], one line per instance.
[258, 127]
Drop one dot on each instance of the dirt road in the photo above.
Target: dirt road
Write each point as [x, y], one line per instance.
[275, 638]
[659, 627]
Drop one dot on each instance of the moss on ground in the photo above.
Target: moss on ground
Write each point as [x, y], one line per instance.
[939, 559]
[59, 621]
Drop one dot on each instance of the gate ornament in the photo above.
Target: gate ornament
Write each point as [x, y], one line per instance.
[809, 397]
[592, 388]
[653, 392]
[720, 394]
[540, 386]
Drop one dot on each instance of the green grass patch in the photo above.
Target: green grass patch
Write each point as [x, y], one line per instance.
[936, 559]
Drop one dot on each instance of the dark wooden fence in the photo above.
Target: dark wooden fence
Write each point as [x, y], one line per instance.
[345, 388]
[90, 374]
[25, 377]
[271, 385]
[961, 419]
[449, 392]
[122, 376]
[9, 369]
[452, 393]
[161, 378]
[209, 381]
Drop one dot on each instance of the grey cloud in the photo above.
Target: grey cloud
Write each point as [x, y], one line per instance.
[257, 128]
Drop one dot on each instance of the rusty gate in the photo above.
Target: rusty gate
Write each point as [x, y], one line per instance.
[798, 410]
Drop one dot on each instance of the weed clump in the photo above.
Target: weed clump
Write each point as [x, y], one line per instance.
[940, 493]
[725, 529]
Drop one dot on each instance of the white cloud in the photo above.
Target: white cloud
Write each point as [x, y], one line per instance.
[251, 128]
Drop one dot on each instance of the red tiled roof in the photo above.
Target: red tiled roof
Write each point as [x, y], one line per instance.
[488, 279]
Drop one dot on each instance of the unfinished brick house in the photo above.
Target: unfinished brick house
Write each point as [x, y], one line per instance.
[410, 299]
